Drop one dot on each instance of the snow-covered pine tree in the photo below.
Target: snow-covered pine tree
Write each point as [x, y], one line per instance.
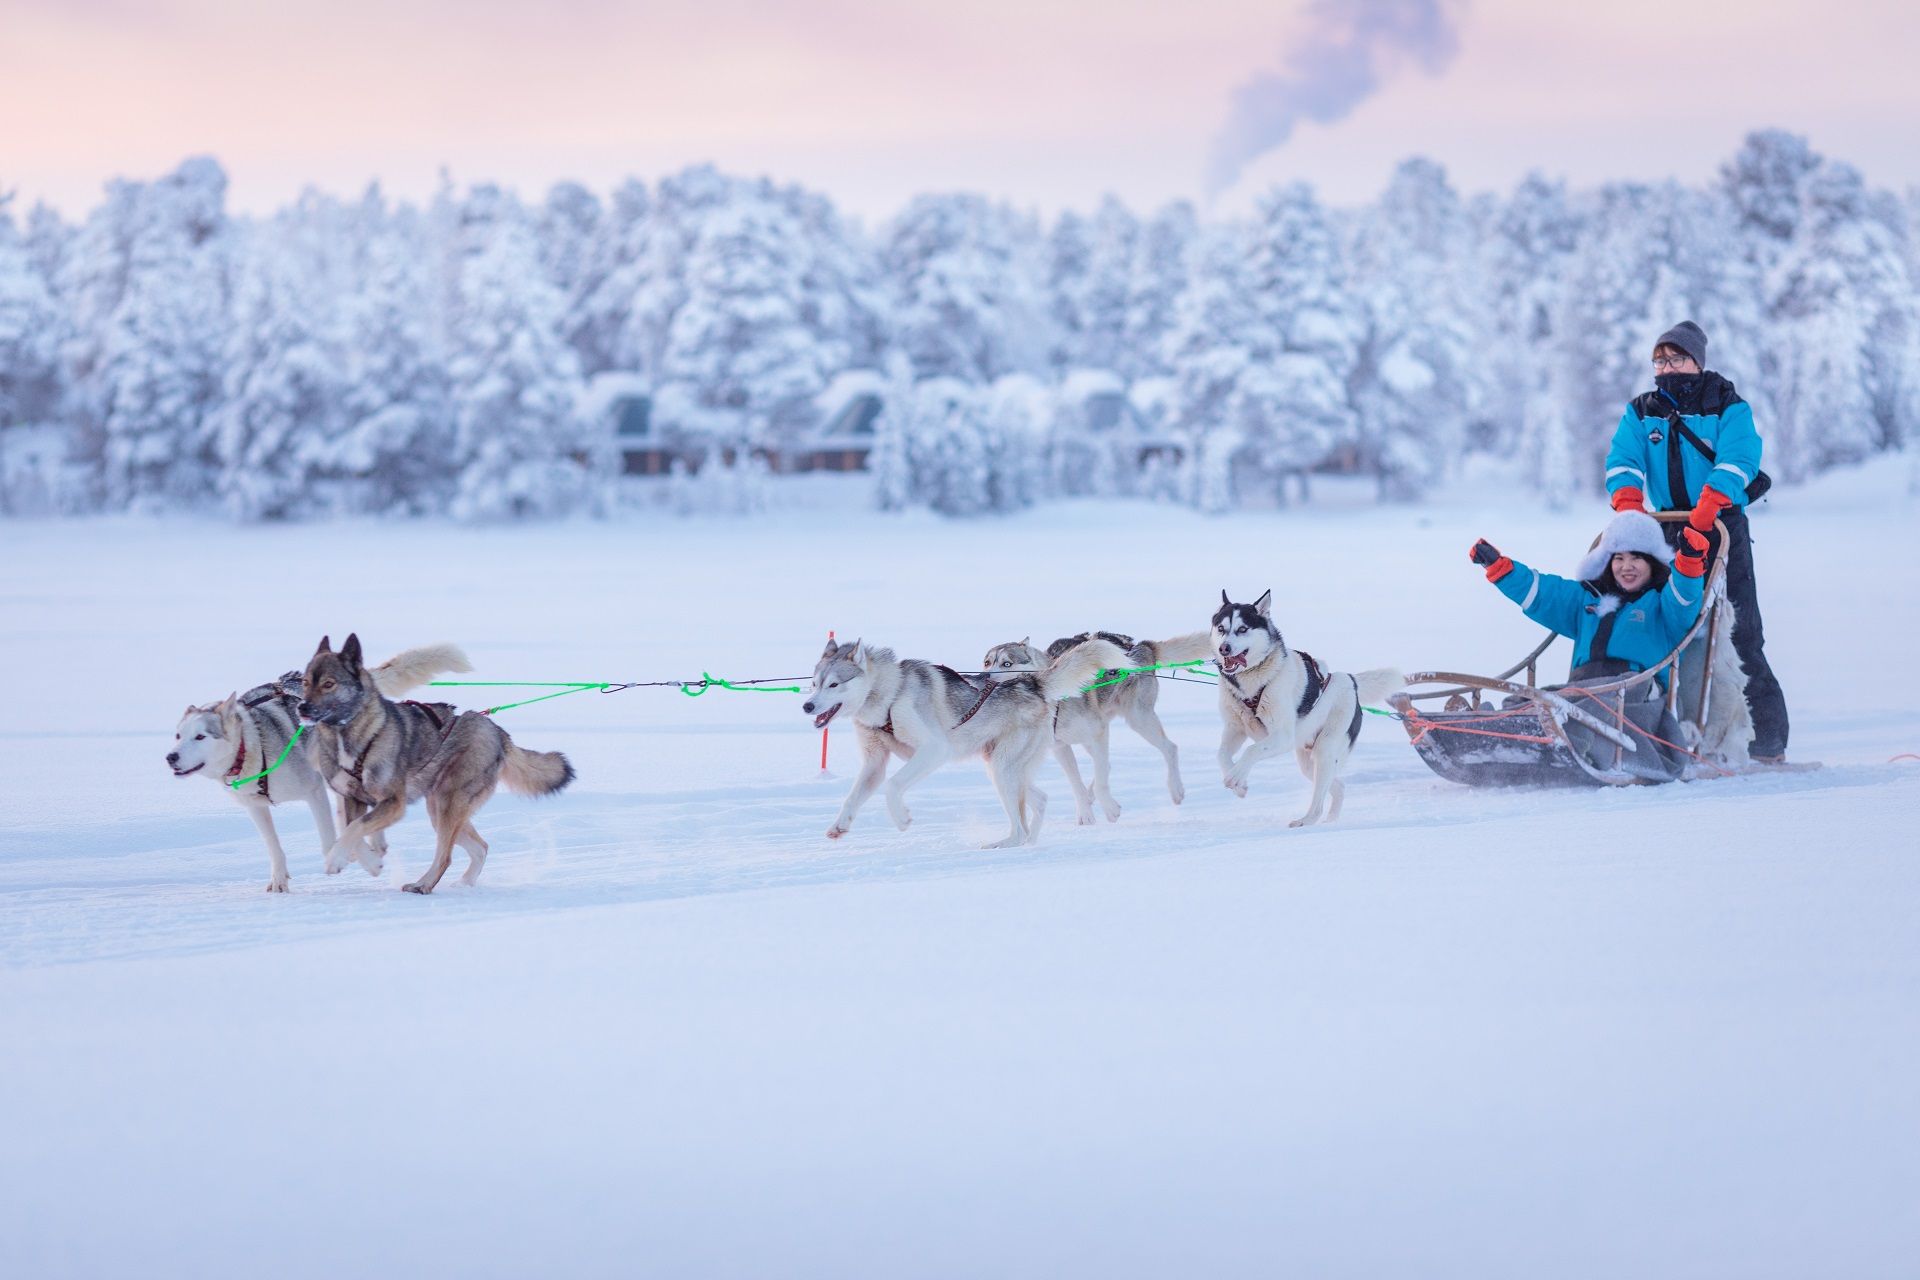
[398, 435]
[1417, 381]
[1292, 401]
[568, 227]
[147, 281]
[1156, 279]
[518, 445]
[277, 423]
[600, 302]
[1217, 332]
[1069, 250]
[968, 299]
[1530, 242]
[30, 385]
[1106, 295]
[1843, 316]
[772, 305]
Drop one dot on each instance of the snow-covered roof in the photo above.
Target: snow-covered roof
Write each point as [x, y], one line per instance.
[602, 391]
[848, 384]
[1153, 397]
[1084, 384]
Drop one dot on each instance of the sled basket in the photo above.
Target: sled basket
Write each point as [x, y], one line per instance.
[1507, 730]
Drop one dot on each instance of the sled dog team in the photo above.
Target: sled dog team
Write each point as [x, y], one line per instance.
[375, 755]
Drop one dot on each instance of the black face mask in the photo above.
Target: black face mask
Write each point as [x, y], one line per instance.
[1684, 388]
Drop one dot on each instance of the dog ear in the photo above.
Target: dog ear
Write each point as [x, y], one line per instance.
[857, 654]
[350, 651]
[1264, 605]
[326, 646]
[1224, 602]
[228, 705]
[832, 649]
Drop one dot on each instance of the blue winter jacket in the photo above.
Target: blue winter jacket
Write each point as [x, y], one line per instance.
[1645, 446]
[1640, 632]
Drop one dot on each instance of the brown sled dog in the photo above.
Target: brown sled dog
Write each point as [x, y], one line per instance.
[377, 755]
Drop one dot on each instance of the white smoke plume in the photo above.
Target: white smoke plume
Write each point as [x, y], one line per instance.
[1342, 53]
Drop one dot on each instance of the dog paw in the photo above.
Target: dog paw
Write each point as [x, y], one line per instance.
[1084, 815]
[374, 866]
[415, 887]
[1011, 842]
[1238, 786]
[835, 831]
[1300, 822]
[902, 817]
[1112, 809]
[1178, 791]
[277, 885]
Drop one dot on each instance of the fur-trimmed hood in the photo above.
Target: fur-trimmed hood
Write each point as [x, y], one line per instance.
[1633, 531]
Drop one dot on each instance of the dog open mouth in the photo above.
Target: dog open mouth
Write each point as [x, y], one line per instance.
[181, 773]
[1231, 663]
[820, 721]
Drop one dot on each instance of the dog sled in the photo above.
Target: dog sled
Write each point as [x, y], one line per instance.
[1624, 730]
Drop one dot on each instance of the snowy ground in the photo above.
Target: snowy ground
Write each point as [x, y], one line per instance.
[674, 1031]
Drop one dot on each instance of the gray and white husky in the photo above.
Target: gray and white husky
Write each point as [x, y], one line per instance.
[1273, 697]
[377, 755]
[928, 714]
[244, 733]
[1083, 720]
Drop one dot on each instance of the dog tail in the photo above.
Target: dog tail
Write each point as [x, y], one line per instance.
[411, 668]
[1069, 674]
[1378, 683]
[535, 773]
[1197, 647]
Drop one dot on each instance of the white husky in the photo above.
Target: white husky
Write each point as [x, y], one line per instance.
[1279, 697]
[1083, 721]
[243, 734]
[929, 714]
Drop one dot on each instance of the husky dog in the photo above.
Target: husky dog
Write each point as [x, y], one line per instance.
[1280, 697]
[377, 755]
[929, 714]
[1082, 721]
[246, 732]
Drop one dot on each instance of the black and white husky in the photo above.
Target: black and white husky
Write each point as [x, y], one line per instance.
[244, 733]
[1273, 697]
[1082, 721]
[928, 714]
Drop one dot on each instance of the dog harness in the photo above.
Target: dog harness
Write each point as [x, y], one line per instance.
[240, 759]
[978, 703]
[1317, 682]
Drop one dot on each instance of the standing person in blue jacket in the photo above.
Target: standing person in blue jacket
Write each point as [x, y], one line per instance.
[1690, 445]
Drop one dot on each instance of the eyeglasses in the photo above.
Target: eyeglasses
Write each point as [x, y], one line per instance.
[1671, 363]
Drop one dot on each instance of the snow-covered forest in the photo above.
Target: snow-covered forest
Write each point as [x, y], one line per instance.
[480, 357]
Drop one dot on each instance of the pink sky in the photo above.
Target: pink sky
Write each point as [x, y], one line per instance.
[1045, 102]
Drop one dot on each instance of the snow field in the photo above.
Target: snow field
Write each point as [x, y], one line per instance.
[675, 1031]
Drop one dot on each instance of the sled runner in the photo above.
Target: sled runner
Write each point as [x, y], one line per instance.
[1507, 730]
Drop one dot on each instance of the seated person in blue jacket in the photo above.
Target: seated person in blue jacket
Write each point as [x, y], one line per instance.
[1633, 601]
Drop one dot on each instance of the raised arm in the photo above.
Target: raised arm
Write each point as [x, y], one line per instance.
[1553, 602]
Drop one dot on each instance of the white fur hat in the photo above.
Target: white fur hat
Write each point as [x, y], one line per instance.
[1634, 531]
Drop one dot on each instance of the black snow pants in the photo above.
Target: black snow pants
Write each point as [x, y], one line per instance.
[1765, 702]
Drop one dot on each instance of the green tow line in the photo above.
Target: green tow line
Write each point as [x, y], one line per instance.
[694, 689]
[1117, 674]
[285, 752]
